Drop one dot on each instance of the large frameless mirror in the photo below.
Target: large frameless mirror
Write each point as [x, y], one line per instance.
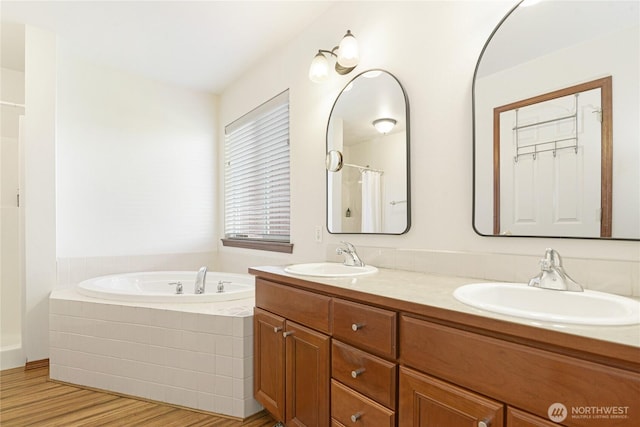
[556, 136]
[368, 157]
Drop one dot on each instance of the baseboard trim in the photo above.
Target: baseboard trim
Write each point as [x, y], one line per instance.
[36, 364]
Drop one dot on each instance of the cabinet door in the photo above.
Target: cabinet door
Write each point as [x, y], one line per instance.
[269, 362]
[307, 376]
[517, 418]
[428, 402]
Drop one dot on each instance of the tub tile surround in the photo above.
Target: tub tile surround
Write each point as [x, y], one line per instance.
[612, 276]
[195, 355]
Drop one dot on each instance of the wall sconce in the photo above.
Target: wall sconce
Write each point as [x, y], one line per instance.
[346, 54]
[384, 125]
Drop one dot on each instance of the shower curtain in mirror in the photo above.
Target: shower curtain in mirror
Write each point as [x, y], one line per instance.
[371, 202]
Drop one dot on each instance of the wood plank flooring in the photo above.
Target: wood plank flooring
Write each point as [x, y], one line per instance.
[28, 398]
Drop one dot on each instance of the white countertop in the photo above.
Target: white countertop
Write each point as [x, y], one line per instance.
[437, 291]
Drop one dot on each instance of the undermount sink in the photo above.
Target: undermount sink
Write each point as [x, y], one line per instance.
[518, 299]
[329, 269]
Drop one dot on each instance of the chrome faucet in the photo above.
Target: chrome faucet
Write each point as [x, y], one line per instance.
[221, 284]
[351, 257]
[201, 277]
[553, 275]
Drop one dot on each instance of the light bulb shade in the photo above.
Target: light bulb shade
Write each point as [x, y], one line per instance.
[348, 55]
[384, 125]
[319, 69]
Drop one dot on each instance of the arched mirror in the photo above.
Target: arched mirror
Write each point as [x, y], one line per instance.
[368, 157]
[556, 136]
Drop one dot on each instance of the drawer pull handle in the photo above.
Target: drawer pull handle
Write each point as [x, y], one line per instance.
[277, 329]
[287, 333]
[355, 417]
[484, 423]
[357, 372]
[356, 326]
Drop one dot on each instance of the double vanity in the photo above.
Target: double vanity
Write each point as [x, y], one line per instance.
[388, 347]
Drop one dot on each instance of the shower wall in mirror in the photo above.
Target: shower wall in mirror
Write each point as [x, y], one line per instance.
[556, 135]
[368, 157]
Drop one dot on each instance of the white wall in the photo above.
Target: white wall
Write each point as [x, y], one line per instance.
[39, 188]
[135, 164]
[120, 169]
[432, 47]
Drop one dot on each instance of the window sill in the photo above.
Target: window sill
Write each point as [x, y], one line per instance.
[259, 245]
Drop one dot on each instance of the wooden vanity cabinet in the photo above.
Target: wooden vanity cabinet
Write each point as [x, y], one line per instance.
[291, 360]
[329, 356]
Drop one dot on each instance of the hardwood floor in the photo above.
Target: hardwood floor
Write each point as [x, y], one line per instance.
[28, 398]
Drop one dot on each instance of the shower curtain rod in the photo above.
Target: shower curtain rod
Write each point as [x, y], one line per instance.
[12, 104]
[363, 168]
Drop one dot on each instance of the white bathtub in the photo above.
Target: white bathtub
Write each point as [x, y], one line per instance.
[157, 287]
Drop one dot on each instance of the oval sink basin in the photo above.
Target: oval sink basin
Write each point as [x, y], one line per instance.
[518, 299]
[329, 269]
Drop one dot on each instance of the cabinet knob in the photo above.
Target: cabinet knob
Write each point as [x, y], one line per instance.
[484, 423]
[355, 417]
[357, 372]
[277, 329]
[287, 333]
[356, 326]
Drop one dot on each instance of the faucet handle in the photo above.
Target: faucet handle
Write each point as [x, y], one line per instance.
[178, 286]
[551, 259]
[349, 246]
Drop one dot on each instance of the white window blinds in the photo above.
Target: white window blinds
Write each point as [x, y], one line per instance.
[257, 173]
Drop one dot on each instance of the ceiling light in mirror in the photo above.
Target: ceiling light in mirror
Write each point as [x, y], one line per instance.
[384, 125]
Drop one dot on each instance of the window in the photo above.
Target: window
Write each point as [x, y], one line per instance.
[257, 201]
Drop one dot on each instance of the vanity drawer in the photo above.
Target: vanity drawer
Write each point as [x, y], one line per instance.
[304, 307]
[370, 328]
[370, 375]
[352, 408]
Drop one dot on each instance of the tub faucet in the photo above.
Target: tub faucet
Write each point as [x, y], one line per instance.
[200, 279]
[221, 284]
[553, 275]
[351, 257]
[178, 286]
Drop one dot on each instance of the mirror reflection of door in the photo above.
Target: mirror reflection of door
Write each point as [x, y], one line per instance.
[542, 48]
[552, 171]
